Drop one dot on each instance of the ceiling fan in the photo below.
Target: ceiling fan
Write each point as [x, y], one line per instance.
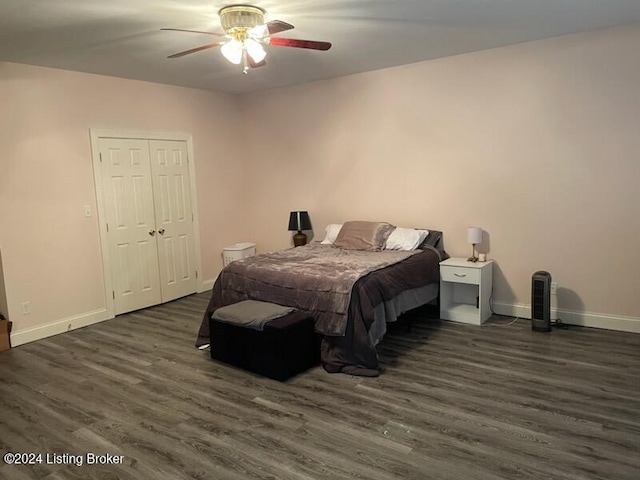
[245, 34]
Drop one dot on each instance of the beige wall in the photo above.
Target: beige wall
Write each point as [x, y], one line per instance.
[50, 251]
[537, 143]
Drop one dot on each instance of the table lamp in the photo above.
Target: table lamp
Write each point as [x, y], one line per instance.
[474, 237]
[299, 221]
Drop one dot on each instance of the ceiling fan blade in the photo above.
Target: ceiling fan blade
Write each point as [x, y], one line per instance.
[197, 49]
[292, 42]
[277, 26]
[193, 31]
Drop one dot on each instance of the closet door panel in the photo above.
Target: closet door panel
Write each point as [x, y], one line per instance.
[131, 223]
[174, 218]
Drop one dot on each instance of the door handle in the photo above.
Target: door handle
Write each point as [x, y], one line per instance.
[161, 231]
[152, 232]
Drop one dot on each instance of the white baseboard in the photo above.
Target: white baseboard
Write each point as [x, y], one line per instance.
[21, 337]
[570, 317]
[206, 285]
[584, 319]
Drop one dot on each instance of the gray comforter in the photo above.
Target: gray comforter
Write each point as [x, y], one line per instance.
[340, 288]
[316, 278]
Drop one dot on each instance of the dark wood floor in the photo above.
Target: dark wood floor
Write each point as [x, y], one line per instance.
[454, 402]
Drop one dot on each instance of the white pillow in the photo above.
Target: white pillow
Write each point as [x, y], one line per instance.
[406, 239]
[333, 229]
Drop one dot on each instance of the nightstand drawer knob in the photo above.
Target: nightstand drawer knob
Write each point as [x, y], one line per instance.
[460, 275]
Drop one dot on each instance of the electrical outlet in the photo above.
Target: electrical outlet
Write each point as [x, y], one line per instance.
[87, 210]
[26, 308]
[554, 288]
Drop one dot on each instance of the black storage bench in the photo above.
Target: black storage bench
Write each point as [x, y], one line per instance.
[285, 346]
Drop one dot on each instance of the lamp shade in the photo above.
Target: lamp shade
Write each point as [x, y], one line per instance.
[299, 221]
[232, 51]
[255, 50]
[474, 235]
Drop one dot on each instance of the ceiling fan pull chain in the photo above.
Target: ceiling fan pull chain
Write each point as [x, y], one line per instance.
[245, 68]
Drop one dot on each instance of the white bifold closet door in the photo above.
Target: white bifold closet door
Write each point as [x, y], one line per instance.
[147, 198]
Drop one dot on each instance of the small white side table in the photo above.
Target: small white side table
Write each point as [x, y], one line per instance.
[465, 289]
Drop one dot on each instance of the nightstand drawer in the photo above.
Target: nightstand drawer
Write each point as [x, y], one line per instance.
[460, 275]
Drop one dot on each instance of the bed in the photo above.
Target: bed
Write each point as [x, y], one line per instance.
[352, 289]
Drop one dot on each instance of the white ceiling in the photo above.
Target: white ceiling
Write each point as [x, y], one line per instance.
[122, 37]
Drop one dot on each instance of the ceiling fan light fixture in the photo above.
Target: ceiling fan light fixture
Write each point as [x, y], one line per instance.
[240, 16]
[232, 51]
[244, 24]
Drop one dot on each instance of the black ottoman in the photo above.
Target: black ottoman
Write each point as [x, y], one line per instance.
[285, 347]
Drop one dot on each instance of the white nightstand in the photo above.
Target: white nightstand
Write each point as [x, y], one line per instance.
[465, 288]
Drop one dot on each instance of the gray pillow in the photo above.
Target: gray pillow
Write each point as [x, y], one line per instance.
[360, 235]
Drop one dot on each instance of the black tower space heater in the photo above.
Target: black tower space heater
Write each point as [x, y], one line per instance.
[541, 301]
